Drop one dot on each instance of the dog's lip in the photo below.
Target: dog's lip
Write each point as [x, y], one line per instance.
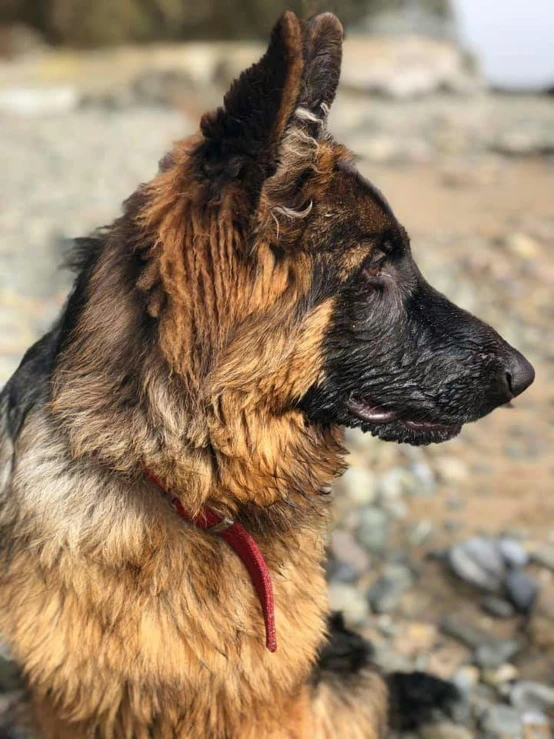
[368, 411]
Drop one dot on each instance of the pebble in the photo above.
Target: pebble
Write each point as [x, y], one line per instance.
[466, 678]
[479, 562]
[495, 653]
[464, 632]
[532, 696]
[541, 627]
[425, 481]
[359, 484]
[523, 245]
[451, 469]
[544, 555]
[500, 722]
[394, 484]
[522, 590]
[385, 594]
[497, 676]
[513, 553]
[345, 548]
[414, 638]
[497, 606]
[350, 601]
[445, 730]
[337, 571]
[373, 529]
[420, 532]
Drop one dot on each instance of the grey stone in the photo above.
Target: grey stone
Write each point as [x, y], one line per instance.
[513, 553]
[498, 607]
[532, 696]
[338, 571]
[347, 550]
[479, 562]
[421, 532]
[522, 590]
[386, 592]
[500, 722]
[373, 530]
[463, 632]
[424, 479]
[495, 653]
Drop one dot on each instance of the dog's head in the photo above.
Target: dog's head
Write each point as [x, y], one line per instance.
[300, 286]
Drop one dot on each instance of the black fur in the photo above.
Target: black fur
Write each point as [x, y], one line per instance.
[344, 653]
[397, 345]
[417, 698]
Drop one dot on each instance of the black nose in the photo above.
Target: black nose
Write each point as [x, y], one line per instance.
[519, 373]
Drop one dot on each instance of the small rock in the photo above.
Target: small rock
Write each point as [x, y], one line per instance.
[523, 245]
[421, 532]
[544, 555]
[478, 561]
[513, 553]
[373, 529]
[536, 726]
[426, 483]
[498, 676]
[346, 549]
[531, 696]
[337, 571]
[500, 722]
[394, 484]
[385, 593]
[495, 653]
[445, 730]
[541, 628]
[450, 469]
[348, 600]
[522, 590]
[497, 607]
[463, 632]
[359, 484]
[466, 678]
[414, 638]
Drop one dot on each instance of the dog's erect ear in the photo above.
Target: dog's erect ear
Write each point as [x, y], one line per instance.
[323, 56]
[246, 132]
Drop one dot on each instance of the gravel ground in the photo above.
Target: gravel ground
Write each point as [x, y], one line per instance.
[443, 556]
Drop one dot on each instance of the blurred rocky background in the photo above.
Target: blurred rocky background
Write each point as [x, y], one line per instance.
[443, 556]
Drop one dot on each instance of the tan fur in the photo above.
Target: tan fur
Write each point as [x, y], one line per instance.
[128, 622]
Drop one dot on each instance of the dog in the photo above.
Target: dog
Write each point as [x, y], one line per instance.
[166, 448]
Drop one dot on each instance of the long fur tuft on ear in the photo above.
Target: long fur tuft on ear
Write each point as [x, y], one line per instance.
[250, 125]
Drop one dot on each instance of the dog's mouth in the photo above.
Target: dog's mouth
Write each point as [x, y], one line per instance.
[390, 425]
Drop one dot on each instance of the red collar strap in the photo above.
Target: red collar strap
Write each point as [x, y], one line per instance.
[245, 547]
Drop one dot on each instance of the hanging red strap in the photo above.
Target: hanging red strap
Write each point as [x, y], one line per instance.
[244, 545]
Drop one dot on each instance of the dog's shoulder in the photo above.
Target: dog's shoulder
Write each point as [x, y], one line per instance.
[30, 382]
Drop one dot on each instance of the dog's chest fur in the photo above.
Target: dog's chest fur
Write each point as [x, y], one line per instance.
[116, 602]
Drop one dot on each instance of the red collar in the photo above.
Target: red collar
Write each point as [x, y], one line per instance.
[244, 545]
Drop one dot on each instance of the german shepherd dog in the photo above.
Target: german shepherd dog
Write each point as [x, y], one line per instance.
[254, 298]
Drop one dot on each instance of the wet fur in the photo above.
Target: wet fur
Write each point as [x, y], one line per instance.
[203, 340]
